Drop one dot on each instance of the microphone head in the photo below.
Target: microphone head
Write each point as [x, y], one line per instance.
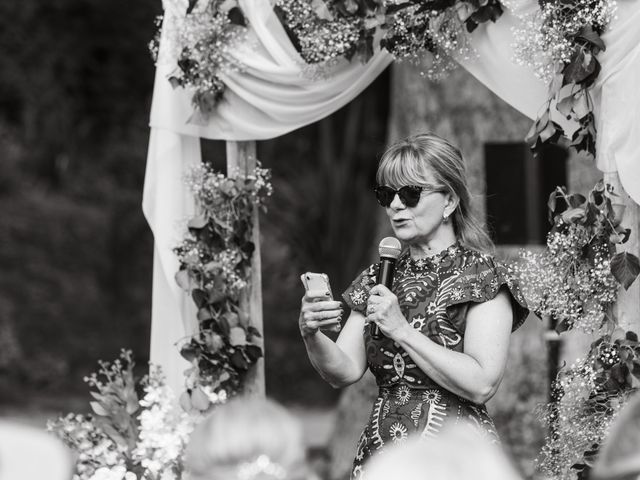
[390, 248]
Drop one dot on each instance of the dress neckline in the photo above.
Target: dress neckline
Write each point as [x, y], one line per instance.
[434, 259]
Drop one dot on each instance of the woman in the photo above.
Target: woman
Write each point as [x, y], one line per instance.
[445, 324]
[247, 439]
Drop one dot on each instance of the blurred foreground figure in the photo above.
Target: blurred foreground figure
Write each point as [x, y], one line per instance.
[459, 453]
[247, 439]
[29, 453]
[619, 458]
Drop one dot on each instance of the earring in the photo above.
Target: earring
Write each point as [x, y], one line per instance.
[445, 217]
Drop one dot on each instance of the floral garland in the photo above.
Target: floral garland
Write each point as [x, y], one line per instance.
[577, 278]
[576, 281]
[560, 43]
[198, 41]
[587, 397]
[127, 437]
[215, 268]
[323, 32]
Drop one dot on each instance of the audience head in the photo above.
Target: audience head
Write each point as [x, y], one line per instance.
[247, 439]
[30, 453]
[459, 453]
[619, 457]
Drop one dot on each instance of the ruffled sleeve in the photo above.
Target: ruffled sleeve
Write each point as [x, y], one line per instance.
[357, 294]
[481, 280]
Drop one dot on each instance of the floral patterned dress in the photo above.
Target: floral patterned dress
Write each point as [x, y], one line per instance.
[434, 295]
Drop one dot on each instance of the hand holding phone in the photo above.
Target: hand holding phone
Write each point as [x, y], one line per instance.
[319, 309]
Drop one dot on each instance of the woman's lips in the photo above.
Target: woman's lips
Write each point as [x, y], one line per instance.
[400, 221]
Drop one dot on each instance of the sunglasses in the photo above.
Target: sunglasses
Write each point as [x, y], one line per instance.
[409, 194]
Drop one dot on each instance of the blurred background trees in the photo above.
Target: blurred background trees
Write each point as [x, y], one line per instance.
[76, 253]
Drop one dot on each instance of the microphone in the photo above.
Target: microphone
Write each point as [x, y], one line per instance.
[389, 250]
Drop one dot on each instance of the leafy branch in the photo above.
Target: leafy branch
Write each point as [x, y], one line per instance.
[215, 269]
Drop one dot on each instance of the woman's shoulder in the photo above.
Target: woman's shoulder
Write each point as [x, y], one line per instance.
[480, 276]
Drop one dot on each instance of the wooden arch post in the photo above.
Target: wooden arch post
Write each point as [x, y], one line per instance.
[241, 158]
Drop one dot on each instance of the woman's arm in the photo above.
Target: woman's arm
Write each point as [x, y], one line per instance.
[475, 373]
[339, 363]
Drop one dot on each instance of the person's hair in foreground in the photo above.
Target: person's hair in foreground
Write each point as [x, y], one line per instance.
[247, 439]
[406, 162]
[459, 453]
[619, 457]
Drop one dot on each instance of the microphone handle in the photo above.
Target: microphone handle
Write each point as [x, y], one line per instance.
[385, 277]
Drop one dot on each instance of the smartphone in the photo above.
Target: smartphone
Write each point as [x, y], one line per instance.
[317, 282]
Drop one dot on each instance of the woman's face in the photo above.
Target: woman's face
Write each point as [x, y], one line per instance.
[419, 225]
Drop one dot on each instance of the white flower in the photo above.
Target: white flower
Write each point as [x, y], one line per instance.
[115, 473]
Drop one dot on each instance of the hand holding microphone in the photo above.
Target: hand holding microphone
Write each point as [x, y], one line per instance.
[389, 250]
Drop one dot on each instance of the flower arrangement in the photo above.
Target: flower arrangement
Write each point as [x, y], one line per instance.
[325, 31]
[198, 40]
[587, 397]
[576, 281]
[561, 43]
[577, 278]
[215, 268]
[127, 437]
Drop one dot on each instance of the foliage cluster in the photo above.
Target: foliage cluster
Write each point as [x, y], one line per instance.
[127, 437]
[588, 394]
[577, 278]
[215, 269]
[569, 39]
[576, 281]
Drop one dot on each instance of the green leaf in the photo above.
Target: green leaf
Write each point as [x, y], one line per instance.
[199, 400]
[569, 216]
[236, 17]
[197, 222]
[199, 297]
[562, 326]
[183, 279]
[189, 353]
[98, 409]
[589, 35]
[583, 68]
[185, 402]
[253, 352]
[115, 435]
[625, 267]
[237, 337]
[238, 361]
[225, 328]
[253, 331]
[204, 313]
[577, 200]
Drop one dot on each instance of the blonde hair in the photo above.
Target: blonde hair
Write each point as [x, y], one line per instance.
[408, 162]
[459, 453]
[244, 432]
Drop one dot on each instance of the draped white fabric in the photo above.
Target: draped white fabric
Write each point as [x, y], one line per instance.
[275, 95]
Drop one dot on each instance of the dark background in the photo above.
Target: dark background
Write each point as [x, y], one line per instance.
[75, 250]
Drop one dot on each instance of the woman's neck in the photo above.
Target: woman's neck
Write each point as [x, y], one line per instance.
[433, 246]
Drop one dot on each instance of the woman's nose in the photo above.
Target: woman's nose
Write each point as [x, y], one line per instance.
[396, 203]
